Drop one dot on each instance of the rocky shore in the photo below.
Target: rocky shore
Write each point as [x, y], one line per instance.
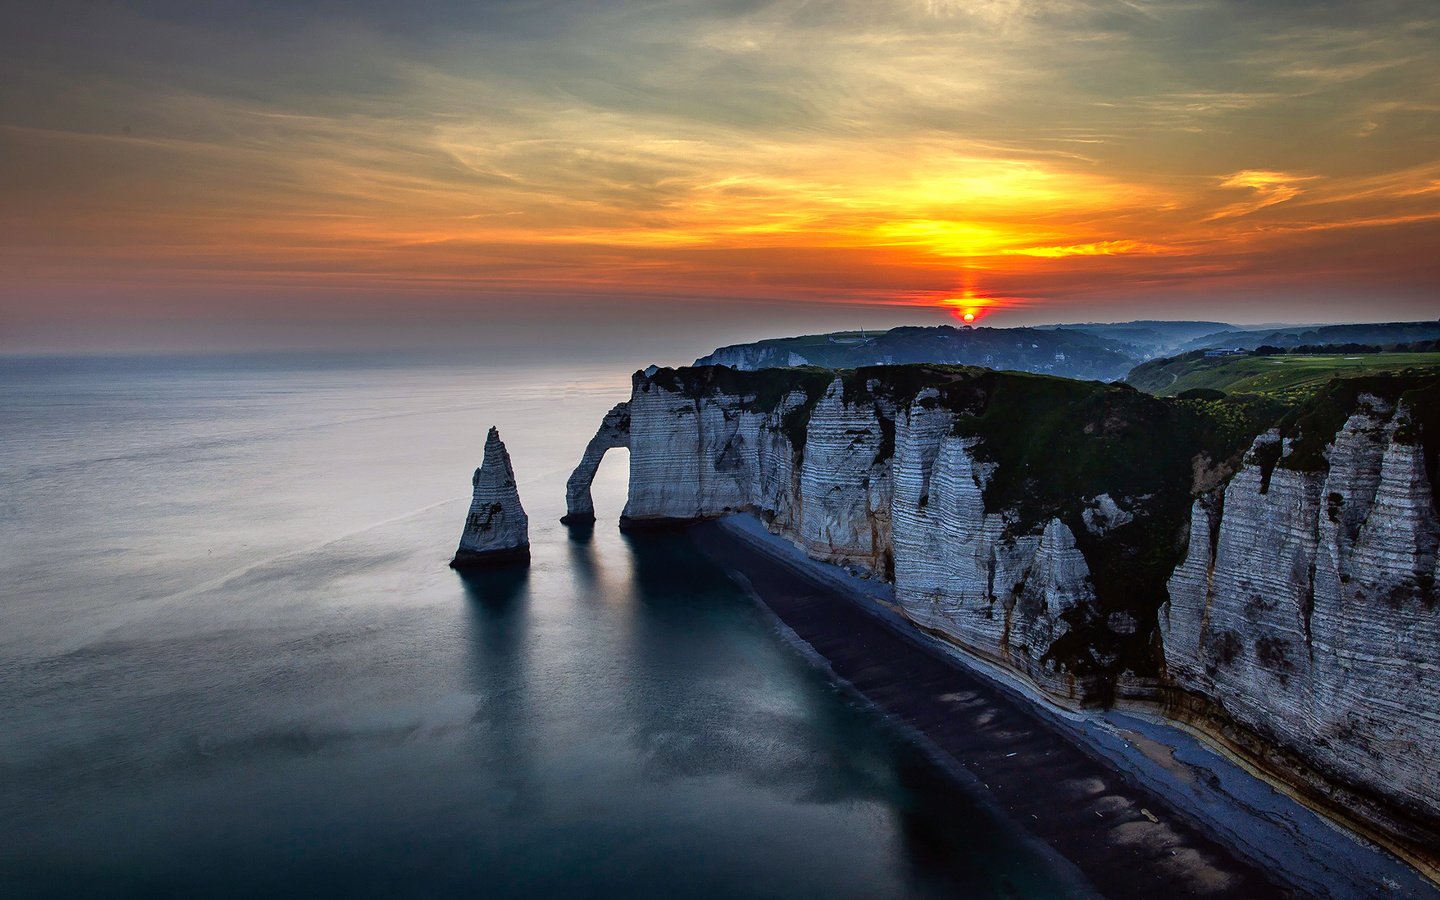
[1263, 571]
[1136, 805]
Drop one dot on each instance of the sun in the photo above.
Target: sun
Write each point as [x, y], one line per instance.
[967, 308]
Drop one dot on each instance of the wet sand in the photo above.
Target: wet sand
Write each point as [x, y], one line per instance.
[1105, 791]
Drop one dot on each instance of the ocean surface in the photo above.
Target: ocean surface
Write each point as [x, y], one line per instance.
[233, 662]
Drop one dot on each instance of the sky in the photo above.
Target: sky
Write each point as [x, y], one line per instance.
[292, 173]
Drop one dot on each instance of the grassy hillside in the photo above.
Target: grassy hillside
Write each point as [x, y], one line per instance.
[1290, 376]
[1300, 335]
[1068, 353]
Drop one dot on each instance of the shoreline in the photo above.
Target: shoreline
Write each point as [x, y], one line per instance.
[1179, 814]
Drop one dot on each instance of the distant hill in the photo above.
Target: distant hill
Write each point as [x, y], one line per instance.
[1067, 352]
[1099, 351]
[1382, 333]
[1148, 338]
[1292, 376]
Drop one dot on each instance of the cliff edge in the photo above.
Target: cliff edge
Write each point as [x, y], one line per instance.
[1277, 592]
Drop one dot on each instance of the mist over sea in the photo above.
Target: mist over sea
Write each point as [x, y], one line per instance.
[233, 661]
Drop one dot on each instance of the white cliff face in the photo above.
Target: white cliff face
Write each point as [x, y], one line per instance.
[1314, 623]
[693, 457]
[1104, 514]
[496, 528]
[1185, 617]
[689, 458]
[845, 483]
[670, 473]
[958, 570]
[1304, 609]
[961, 572]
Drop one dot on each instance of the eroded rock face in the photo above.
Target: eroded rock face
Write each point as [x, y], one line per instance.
[497, 531]
[1313, 619]
[695, 454]
[888, 491]
[1104, 514]
[1303, 605]
[960, 571]
[845, 484]
[614, 432]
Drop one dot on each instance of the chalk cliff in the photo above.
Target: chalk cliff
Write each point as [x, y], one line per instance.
[1304, 621]
[1277, 591]
[1004, 533]
[614, 431]
[497, 531]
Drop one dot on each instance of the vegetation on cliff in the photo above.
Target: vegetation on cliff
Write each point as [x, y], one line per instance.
[1381, 333]
[1070, 352]
[1310, 426]
[1293, 376]
[1057, 445]
[765, 390]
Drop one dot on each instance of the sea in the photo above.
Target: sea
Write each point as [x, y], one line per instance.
[234, 662]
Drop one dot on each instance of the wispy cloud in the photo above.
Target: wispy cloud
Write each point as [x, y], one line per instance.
[844, 149]
[1266, 189]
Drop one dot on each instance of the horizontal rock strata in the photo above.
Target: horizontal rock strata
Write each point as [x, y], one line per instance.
[1306, 612]
[614, 431]
[1277, 591]
[497, 531]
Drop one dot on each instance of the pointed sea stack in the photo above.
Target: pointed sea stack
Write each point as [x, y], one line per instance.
[497, 531]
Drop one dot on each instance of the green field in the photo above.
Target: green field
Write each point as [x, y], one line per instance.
[1288, 376]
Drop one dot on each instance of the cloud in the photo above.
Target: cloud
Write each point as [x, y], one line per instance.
[1268, 189]
[845, 149]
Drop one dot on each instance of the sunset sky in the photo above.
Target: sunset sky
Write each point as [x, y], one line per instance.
[181, 174]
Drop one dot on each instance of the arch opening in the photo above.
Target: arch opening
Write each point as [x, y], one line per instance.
[614, 432]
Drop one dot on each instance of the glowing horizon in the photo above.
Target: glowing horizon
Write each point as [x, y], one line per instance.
[1139, 154]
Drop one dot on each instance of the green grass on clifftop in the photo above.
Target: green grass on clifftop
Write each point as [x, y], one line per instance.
[1292, 376]
[1057, 444]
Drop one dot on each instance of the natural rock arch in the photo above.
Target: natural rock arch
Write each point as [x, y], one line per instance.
[614, 432]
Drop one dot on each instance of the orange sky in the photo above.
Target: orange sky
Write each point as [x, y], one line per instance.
[1055, 161]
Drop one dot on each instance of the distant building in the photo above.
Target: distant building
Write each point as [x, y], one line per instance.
[1225, 351]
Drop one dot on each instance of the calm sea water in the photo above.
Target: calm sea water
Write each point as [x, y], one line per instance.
[234, 663]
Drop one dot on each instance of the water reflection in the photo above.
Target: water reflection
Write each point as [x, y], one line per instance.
[353, 722]
[729, 718]
[581, 532]
[499, 607]
[498, 589]
[725, 717]
[581, 547]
